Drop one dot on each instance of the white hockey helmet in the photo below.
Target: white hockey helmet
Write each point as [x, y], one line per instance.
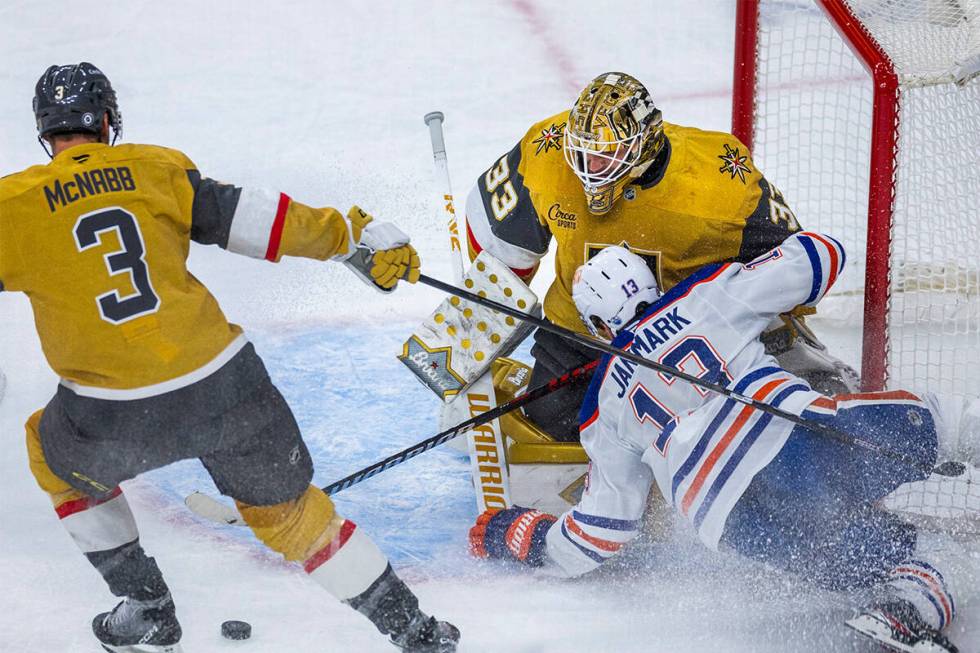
[609, 289]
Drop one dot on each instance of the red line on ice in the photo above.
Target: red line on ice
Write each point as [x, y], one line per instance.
[570, 78]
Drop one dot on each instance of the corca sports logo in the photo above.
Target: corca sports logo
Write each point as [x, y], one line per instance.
[561, 219]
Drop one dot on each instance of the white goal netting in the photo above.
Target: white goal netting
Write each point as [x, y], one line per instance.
[813, 129]
[813, 124]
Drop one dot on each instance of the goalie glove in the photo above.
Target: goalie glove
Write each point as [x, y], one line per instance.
[514, 533]
[382, 254]
[791, 342]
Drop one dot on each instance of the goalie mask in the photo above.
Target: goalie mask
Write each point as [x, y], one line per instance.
[614, 133]
[611, 289]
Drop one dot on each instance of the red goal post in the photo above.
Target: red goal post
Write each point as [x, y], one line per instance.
[852, 110]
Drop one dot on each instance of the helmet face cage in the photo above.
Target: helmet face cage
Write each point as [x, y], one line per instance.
[614, 132]
[600, 163]
[596, 325]
[72, 99]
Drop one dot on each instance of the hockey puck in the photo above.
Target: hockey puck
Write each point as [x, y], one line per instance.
[236, 630]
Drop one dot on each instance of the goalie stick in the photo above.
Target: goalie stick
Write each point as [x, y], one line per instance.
[434, 121]
[947, 469]
[210, 508]
[491, 477]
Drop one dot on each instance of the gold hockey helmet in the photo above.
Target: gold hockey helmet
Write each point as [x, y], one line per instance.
[614, 133]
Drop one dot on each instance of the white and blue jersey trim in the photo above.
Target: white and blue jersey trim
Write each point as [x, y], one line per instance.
[827, 259]
[686, 488]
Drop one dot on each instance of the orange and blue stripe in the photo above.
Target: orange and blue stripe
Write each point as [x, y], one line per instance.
[817, 247]
[599, 548]
[931, 584]
[701, 462]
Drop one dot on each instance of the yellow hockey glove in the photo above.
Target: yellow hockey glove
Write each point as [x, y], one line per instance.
[384, 255]
[390, 265]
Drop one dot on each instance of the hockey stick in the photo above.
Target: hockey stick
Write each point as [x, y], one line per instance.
[948, 469]
[491, 481]
[434, 121]
[210, 508]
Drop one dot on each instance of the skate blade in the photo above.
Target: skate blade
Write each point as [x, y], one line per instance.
[144, 648]
[879, 631]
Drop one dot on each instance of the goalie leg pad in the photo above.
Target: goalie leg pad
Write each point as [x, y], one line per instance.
[455, 345]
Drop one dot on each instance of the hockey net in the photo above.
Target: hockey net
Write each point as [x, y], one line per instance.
[853, 110]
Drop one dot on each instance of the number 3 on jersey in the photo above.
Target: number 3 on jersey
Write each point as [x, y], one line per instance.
[501, 203]
[113, 307]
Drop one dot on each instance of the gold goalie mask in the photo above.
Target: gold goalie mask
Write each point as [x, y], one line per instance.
[614, 133]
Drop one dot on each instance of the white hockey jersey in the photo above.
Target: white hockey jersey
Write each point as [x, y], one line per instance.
[639, 426]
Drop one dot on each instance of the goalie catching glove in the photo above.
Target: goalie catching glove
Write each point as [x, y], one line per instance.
[382, 254]
[514, 533]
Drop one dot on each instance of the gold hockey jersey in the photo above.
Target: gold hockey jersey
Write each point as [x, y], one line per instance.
[702, 201]
[98, 240]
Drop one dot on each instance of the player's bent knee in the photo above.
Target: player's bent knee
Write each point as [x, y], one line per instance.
[295, 528]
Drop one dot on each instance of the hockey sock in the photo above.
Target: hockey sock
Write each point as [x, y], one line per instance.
[104, 529]
[130, 572]
[388, 603]
[939, 570]
[339, 556]
[297, 529]
[336, 554]
[106, 533]
[348, 564]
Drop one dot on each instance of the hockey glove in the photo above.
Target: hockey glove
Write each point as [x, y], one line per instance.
[515, 533]
[384, 255]
[789, 339]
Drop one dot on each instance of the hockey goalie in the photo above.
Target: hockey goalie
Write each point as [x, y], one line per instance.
[607, 172]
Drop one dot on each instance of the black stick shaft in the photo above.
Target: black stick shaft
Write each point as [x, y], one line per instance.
[605, 347]
[576, 375]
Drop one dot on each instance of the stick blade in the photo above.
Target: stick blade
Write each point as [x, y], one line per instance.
[212, 509]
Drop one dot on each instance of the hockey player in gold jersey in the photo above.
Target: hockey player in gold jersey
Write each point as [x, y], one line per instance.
[611, 172]
[152, 372]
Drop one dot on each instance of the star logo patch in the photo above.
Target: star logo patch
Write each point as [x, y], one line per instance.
[734, 163]
[550, 138]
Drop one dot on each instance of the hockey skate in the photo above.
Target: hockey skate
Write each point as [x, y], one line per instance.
[427, 635]
[136, 626]
[897, 626]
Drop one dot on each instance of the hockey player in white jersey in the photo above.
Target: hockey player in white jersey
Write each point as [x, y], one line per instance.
[745, 479]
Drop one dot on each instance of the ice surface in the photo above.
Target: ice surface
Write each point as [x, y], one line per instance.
[324, 100]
